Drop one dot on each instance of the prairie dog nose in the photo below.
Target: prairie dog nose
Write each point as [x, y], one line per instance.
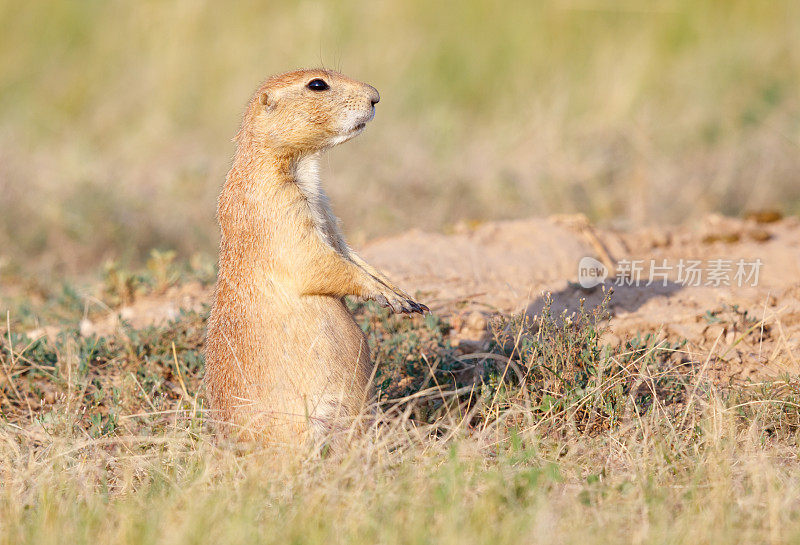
[374, 96]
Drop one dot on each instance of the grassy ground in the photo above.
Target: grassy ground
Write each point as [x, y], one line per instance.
[115, 128]
[116, 118]
[548, 437]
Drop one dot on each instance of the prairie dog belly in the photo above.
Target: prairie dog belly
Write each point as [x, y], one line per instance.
[306, 367]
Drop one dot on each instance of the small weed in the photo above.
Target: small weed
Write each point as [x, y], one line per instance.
[137, 371]
[121, 285]
[162, 269]
[558, 369]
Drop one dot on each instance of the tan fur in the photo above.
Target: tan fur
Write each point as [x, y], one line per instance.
[284, 358]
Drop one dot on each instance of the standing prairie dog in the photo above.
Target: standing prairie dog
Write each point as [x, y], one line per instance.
[285, 361]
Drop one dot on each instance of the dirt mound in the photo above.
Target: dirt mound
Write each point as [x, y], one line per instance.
[730, 287]
[739, 309]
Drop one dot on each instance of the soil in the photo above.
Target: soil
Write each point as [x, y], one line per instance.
[740, 331]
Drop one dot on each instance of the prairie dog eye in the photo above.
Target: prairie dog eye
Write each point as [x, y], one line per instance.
[317, 85]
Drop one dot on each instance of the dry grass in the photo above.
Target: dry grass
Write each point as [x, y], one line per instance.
[722, 477]
[722, 482]
[555, 439]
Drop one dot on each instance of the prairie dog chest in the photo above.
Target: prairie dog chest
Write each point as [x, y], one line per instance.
[306, 176]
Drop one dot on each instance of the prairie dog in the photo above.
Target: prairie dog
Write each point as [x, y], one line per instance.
[285, 360]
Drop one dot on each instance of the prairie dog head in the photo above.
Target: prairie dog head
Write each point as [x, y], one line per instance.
[308, 110]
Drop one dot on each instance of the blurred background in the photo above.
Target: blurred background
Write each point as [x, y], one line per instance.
[116, 118]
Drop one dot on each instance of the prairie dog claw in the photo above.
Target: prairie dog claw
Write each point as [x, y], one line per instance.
[398, 303]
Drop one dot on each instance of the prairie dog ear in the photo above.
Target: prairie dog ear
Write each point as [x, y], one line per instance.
[266, 100]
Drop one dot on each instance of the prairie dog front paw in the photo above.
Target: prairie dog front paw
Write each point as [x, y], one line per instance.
[398, 301]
